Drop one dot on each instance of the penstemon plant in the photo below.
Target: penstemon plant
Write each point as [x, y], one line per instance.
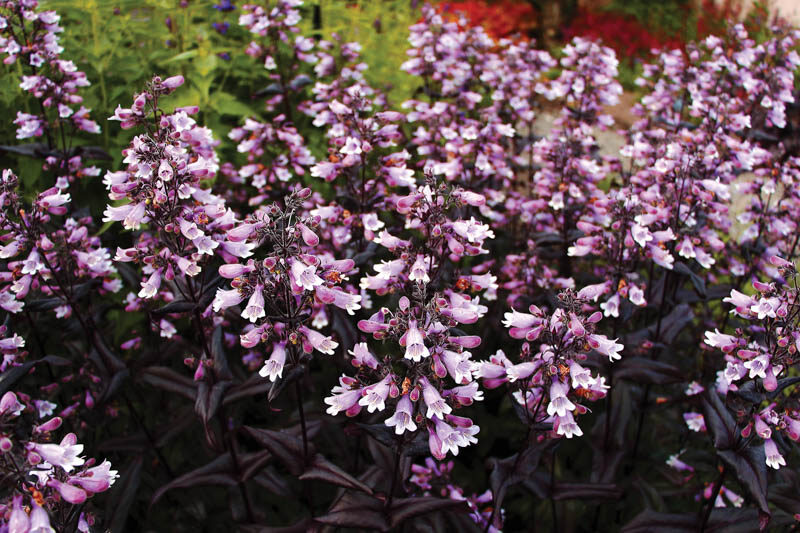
[463, 311]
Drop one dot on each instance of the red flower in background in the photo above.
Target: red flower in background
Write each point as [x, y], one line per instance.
[623, 33]
[500, 19]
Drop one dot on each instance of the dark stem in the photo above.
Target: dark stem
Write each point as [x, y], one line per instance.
[714, 494]
[552, 490]
[299, 391]
[398, 458]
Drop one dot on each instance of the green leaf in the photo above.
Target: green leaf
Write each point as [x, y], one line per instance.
[189, 54]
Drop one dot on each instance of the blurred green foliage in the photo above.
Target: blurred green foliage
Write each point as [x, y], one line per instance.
[121, 44]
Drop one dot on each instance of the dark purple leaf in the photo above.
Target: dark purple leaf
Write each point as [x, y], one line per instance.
[357, 510]
[270, 90]
[123, 495]
[270, 480]
[175, 306]
[209, 291]
[361, 258]
[407, 508]
[723, 520]
[252, 463]
[109, 359]
[751, 392]
[254, 386]
[167, 379]
[285, 447]
[217, 472]
[299, 82]
[294, 373]
[128, 274]
[641, 370]
[113, 385]
[13, 374]
[321, 469]
[719, 421]
[43, 304]
[37, 150]
[55, 360]
[307, 525]
[221, 368]
[587, 491]
[750, 467]
[698, 282]
[513, 470]
[344, 328]
[209, 399]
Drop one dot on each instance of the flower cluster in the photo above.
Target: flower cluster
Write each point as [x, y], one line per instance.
[482, 241]
[285, 289]
[553, 371]
[436, 478]
[757, 357]
[45, 478]
[422, 324]
[58, 258]
[31, 36]
[163, 185]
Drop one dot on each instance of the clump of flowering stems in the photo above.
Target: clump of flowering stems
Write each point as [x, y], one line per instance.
[697, 135]
[282, 292]
[360, 167]
[457, 135]
[53, 258]
[430, 374]
[30, 37]
[163, 188]
[281, 49]
[275, 150]
[355, 229]
[549, 380]
[760, 357]
[47, 483]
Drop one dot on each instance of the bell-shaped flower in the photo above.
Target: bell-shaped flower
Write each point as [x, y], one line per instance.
[774, 459]
[255, 305]
[226, 298]
[274, 366]
[318, 341]
[402, 420]
[559, 403]
[414, 343]
[65, 455]
[436, 404]
[374, 396]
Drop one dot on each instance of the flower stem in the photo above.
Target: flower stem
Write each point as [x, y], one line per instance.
[710, 506]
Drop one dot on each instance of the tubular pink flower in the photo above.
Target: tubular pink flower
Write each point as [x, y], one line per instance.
[414, 343]
[255, 305]
[374, 396]
[436, 404]
[318, 341]
[70, 493]
[226, 298]
[402, 420]
[774, 459]
[274, 366]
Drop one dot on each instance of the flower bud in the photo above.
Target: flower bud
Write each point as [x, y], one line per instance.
[173, 82]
